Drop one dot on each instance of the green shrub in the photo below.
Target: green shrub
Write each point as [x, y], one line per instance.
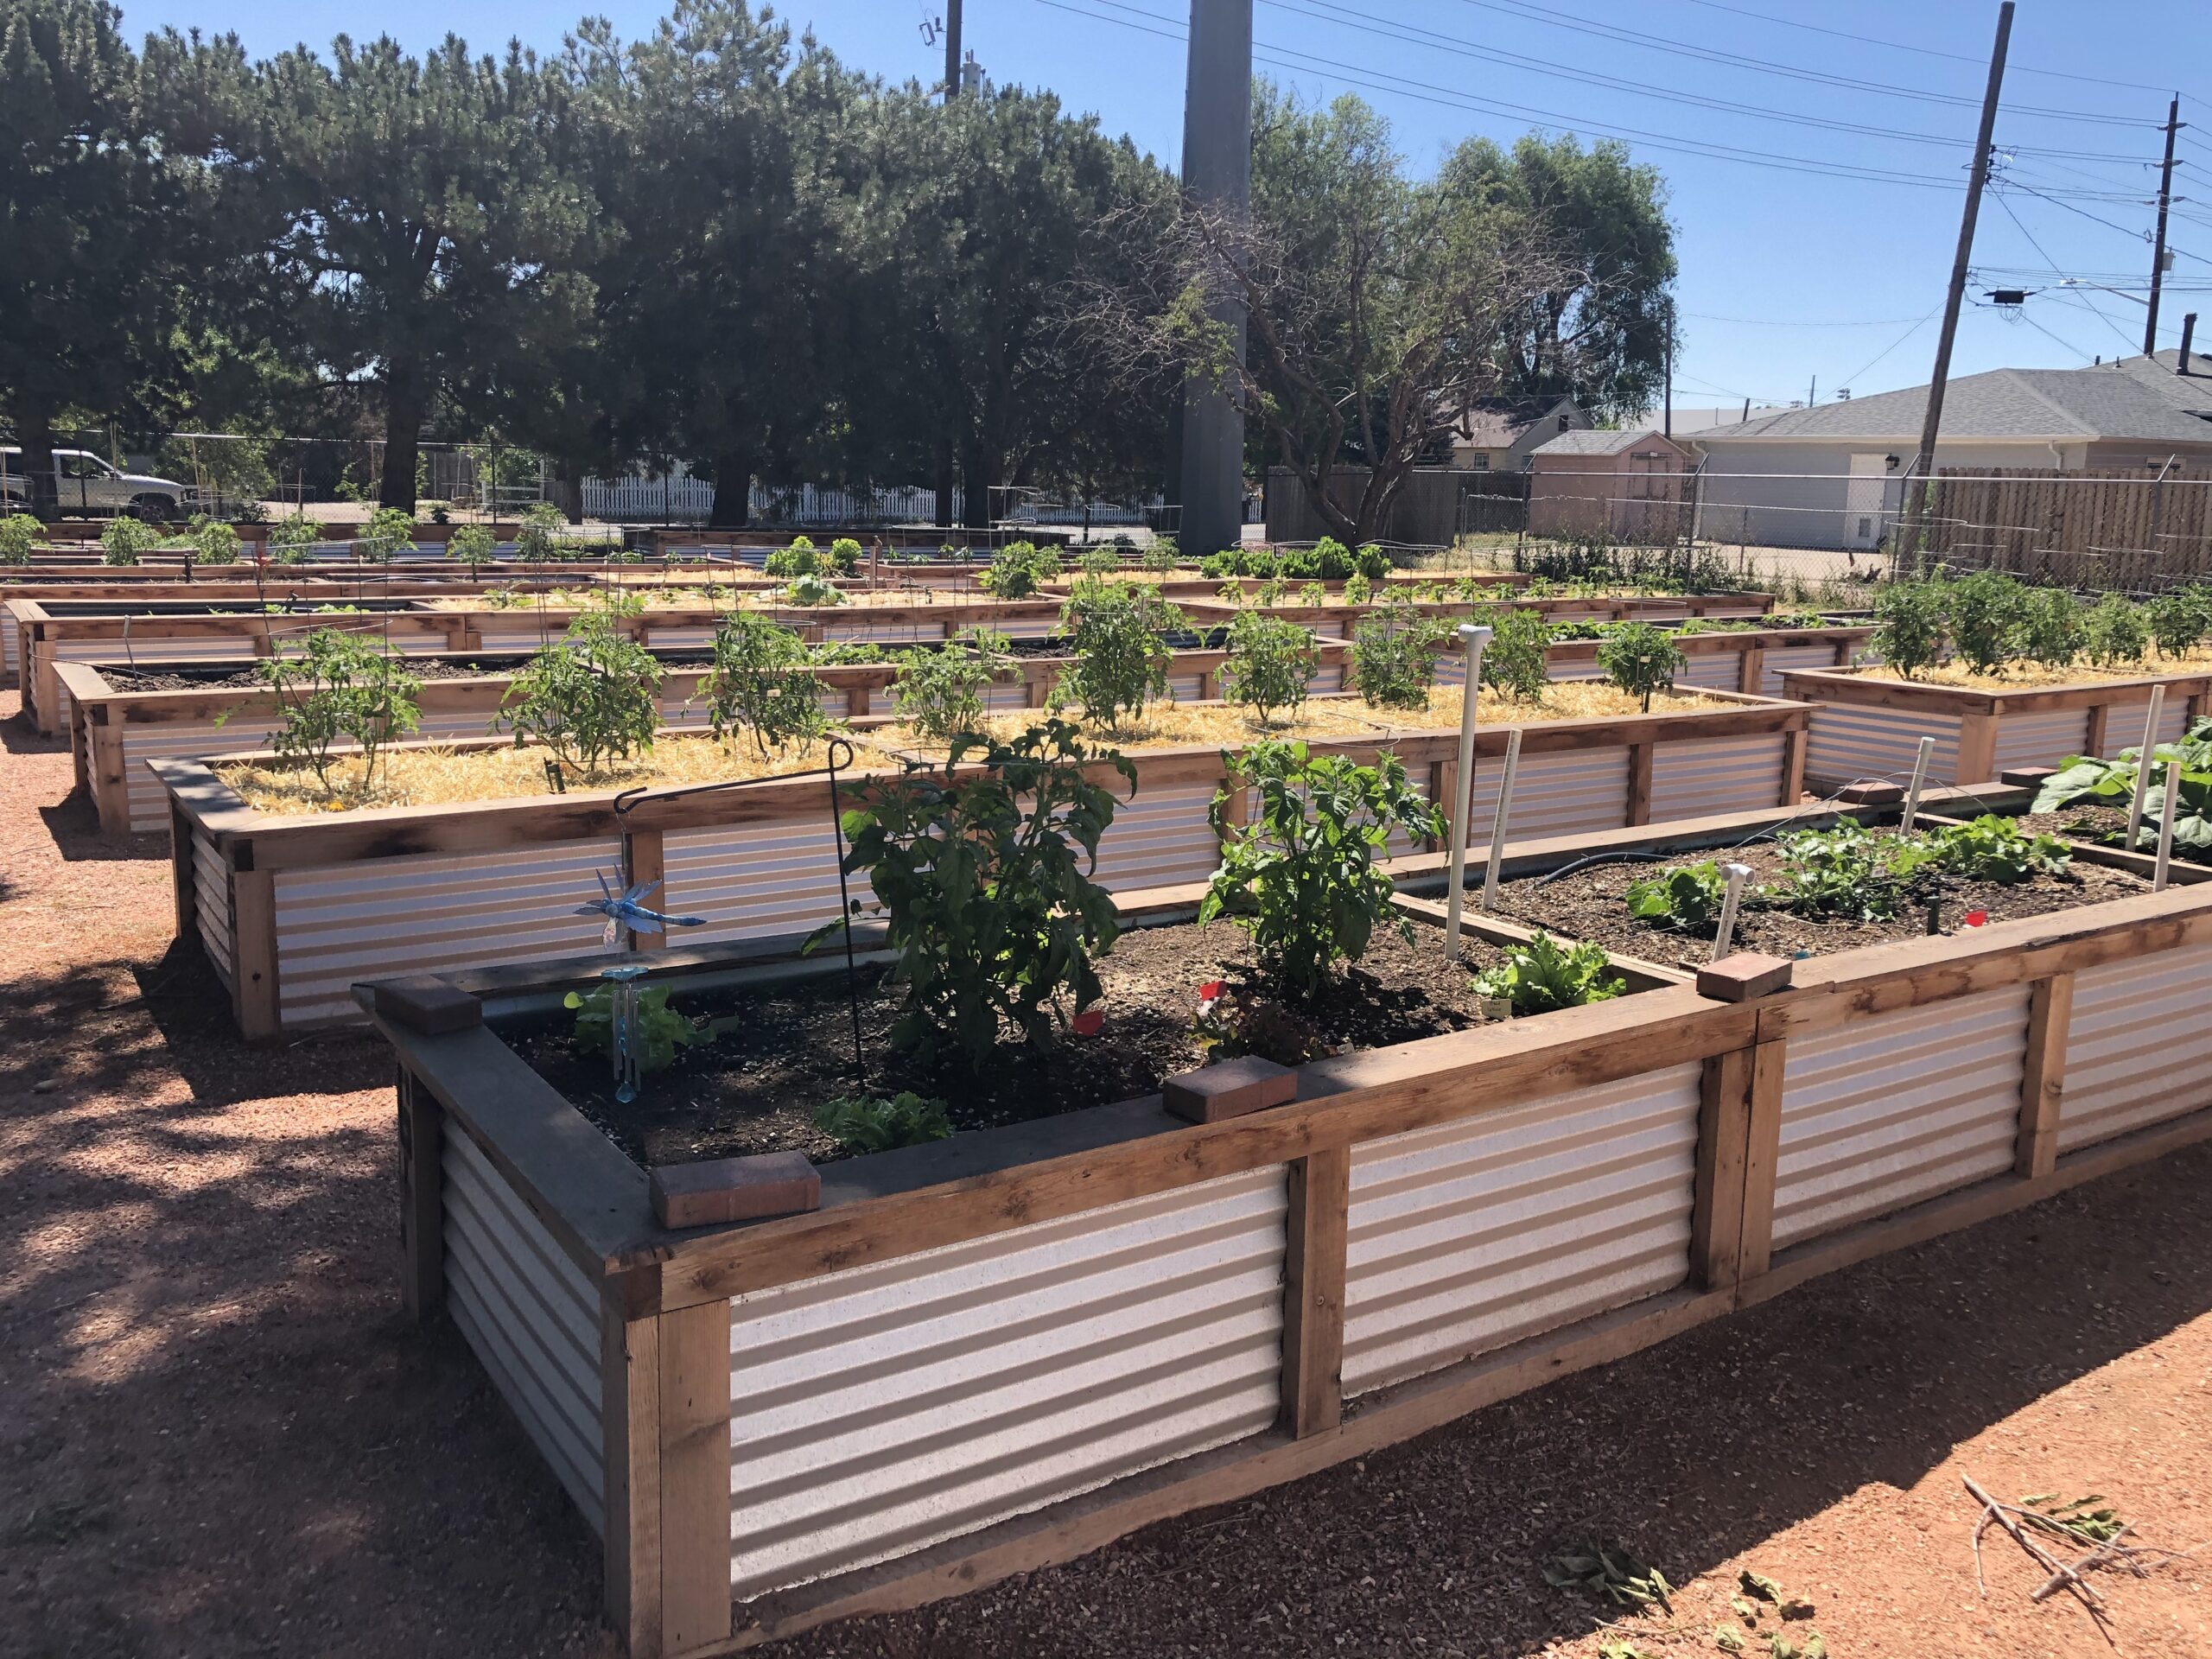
[1517, 663]
[1371, 562]
[1020, 569]
[1261, 563]
[1299, 876]
[593, 696]
[338, 686]
[1117, 638]
[1298, 564]
[2178, 619]
[472, 545]
[2114, 633]
[291, 540]
[535, 537]
[845, 556]
[983, 880]
[1908, 626]
[19, 534]
[762, 683]
[1394, 654]
[1358, 590]
[940, 692]
[1983, 612]
[390, 532]
[864, 1123]
[215, 542]
[1271, 665]
[1539, 976]
[1215, 567]
[1640, 659]
[1332, 560]
[799, 559]
[2051, 627]
[127, 541]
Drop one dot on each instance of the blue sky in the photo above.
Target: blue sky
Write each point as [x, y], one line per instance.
[1797, 263]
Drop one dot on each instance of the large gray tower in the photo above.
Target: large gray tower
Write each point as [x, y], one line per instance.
[1216, 171]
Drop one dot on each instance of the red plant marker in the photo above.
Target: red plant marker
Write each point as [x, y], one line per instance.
[1210, 990]
[1975, 918]
[1088, 1023]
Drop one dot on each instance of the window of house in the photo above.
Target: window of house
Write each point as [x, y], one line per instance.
[1479, 461]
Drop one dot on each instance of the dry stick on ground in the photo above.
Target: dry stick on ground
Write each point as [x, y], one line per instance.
[2092, 1603]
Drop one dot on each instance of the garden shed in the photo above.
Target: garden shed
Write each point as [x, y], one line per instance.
[1625, 486]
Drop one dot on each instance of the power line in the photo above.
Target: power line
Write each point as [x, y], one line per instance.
[1796, 322]
[1892, 346]
[2040, 248]
[2039, 328]
[2140, 236]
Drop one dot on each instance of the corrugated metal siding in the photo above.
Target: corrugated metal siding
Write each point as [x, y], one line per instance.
[210, 896]
[1555, 794]
[1160, 838]
[429, 913]
[1883, 1113]
[11, 648]
[757, 880]
[1849, 742]
[1714, 671]
[2138, 1048]
[1475, 1235]
[881, 1409]
[1779, 657]
[520, 633]
[167, 650]
[1186, 687]
[2042, 739]
[1715, 774]
[2124, 725]
[529, 1314]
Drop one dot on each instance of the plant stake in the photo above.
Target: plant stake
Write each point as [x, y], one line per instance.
[1498, 823]
[2142, 765]
[1473, 637]
[1737, 874]
[2166, 824]
[1919, 777]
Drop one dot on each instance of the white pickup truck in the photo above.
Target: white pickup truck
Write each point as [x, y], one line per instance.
[84, 484]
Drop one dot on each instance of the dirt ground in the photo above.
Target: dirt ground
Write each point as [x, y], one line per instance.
[219, 1439]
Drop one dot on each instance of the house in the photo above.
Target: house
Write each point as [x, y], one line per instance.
[1623, 486]
[1831, 475]
[1495, 435]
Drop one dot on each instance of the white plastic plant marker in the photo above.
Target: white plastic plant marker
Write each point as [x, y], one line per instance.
[1919, 780]
[2166, 824]
[1473, 638]
[1738, 874]
[1498, 821]
[2142, 766]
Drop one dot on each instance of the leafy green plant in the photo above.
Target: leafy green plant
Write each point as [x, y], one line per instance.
[799, 559]
[1018, 569]
[811, 591]
[940, 692]
[1640, 659]
[338, 686]
[1358, 590]
[1845, 870]
[2178, 619]
[1237, 1021]
[762, 683]
[1687, 898]
[292, 538]
[1299, 876]
[472, 546]
[981, 870]
[1372, 561]
[862, 1123]
[2114, 633]
[1394, 654]
[1541, 975]
[126, 540]
[1993, 849]
[1117, 637]
[2051, 627]
[593, 696]
[535, 537]
[390, 532]
[1908, 626]
[215, 542]
[1271, 665]
[2086, 779]
[1611, 1574]
[1332, 560]
[1517, 661]
[1983, 612]
[19, 534]
[844, 556]
[663, 1030]
[2083, 1521]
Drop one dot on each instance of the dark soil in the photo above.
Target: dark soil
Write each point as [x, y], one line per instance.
[1593, 904]
[2103, 826]
[755, 1087]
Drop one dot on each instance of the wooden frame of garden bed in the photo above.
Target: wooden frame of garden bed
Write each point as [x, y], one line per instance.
[1865, 727]
[1505, 1205]
[292, 909]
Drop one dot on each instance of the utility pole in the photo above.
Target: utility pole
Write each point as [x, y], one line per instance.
[1216, 178]
[2174, 123]
[952, 50]
[1923, 463]
[1670, 371]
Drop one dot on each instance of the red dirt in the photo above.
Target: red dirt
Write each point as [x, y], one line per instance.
[222, 1440]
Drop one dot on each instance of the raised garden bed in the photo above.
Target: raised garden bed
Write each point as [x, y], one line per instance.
[989, 1353]
[1868, 725]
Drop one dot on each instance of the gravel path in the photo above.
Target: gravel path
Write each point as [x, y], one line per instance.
[219, 1439]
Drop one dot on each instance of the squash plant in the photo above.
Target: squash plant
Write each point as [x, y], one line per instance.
[982, 869]
[1300, 877]
[2088, 780]
[593, 696]
[1687, 898]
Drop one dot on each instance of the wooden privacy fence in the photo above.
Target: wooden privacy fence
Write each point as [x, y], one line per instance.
[992, 1353]
[2134, 529]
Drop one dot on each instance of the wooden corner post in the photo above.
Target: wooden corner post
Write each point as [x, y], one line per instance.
[1724, 1131]
[2043, 1079]
[1761, 1153]
[422, 1199]
[1313, 1292]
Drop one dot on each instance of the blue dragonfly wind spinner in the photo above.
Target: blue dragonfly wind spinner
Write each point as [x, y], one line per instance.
[626, 913]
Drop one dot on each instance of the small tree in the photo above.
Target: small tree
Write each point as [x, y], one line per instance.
[390, 532]
[1908, 626]
[535, 537]
[590, 696]
[984, 881]
[472, 545]
[19, 534]
[338, 686]
[2113, 632]
[1641, 659]
[940, 692]
[762, 681]
[127, 541]
[1301, 876]
[1117, 637]
[1984, 612]
[1517, 661]
[1393, 657]
[1272, 662]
